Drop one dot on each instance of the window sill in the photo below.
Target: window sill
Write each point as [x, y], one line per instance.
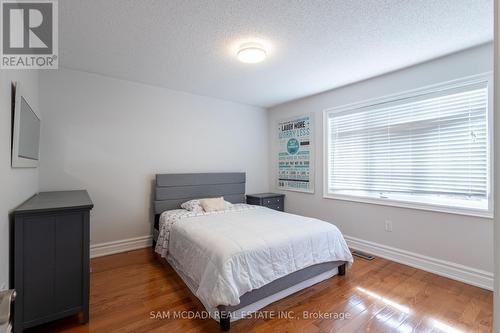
[412, 205]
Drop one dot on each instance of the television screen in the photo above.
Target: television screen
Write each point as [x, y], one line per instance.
[29, 132]
[25, 131]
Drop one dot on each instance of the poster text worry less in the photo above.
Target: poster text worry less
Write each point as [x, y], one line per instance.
[295, 155]
[29, 34]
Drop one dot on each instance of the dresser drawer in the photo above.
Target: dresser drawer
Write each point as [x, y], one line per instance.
[274, 201]
[276, 207]
[268, 202]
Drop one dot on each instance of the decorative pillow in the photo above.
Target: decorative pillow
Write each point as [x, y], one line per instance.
[213, 204]
[195, 205]
[192, 206]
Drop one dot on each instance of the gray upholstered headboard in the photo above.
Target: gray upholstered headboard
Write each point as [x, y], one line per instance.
[172, 189]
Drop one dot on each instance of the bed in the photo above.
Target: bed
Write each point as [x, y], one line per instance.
[246, 257]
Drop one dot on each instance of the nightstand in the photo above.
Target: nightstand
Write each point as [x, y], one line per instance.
[274, 201]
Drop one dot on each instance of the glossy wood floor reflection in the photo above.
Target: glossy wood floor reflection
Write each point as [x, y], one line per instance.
[374, 296]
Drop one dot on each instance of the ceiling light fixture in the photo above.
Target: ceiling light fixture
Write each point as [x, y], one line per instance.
[251, 53]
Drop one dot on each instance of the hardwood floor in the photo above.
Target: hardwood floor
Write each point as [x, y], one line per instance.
[374, 296]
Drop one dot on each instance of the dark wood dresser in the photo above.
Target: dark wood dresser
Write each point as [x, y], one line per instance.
[50, 257]
[274, 201]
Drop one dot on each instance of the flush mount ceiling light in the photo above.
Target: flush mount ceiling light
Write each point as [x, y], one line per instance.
[251, 53]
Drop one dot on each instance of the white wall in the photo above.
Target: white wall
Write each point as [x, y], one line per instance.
[454, 238]
[16, 185]
[112, 136]
[496, 130]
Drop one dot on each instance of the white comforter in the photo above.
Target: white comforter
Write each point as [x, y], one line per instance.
[227, 254]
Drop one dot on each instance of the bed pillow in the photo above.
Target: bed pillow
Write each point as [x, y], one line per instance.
[213, 204]
[195, 206]
[192, 206]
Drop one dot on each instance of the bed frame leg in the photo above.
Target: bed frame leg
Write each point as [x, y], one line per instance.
[342, 270]
[225, 320]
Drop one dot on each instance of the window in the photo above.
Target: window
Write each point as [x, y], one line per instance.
[428, 149]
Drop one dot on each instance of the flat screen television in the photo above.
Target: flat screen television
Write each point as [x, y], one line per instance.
[25, 131]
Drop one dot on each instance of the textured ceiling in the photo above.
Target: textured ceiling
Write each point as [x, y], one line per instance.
[314, 45]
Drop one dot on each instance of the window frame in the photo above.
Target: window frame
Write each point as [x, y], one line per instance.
[394, 202]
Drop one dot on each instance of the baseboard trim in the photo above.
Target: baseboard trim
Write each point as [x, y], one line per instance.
[469, 275]
[124, 245]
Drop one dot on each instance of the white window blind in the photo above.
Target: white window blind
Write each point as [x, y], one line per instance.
[431, 148]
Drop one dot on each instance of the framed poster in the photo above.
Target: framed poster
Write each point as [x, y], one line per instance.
[295, 154]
